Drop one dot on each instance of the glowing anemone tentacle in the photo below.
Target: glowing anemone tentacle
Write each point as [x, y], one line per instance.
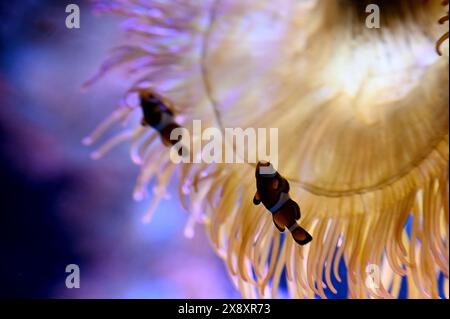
[445, 36]
[363, 124]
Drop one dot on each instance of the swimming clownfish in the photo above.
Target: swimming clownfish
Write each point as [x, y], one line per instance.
[158, 115]
[273, 191]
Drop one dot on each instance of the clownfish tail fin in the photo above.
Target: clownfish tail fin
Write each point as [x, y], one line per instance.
[300, 235]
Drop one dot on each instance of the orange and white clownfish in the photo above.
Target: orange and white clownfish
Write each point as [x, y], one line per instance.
[272, 190]
[157, 113]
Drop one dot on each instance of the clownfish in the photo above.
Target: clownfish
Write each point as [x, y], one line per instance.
[272, 190]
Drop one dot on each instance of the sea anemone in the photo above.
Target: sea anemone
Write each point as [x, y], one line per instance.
[362, 115]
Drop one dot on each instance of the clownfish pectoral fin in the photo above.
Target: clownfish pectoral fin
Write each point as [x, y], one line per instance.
[286, 187]
[275, 183]
[297, 213]
[257, 199]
